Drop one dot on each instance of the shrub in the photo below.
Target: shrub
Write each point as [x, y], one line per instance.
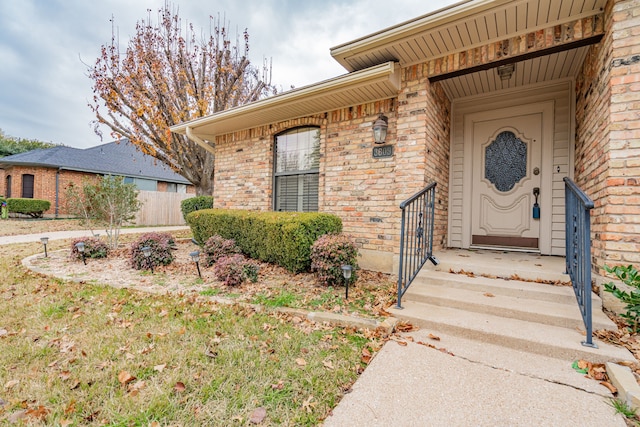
[94, 247]
[283, 238]
[195, 204]
[216, 247]
[161, 245]
[630, 277]
[329, 253]
[32, 207]
[232, 269]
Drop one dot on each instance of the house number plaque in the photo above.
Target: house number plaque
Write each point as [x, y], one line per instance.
[383, 151]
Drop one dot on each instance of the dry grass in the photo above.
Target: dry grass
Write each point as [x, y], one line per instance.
[86, 354]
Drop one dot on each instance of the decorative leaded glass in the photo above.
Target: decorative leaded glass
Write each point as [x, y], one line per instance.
[505, 161]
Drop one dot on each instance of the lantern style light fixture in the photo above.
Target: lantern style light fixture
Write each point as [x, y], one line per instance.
[506, 71]
[195, 257]
[146, 251]
[346, 273]
[44, 241]
[380, 127]
[80, 247]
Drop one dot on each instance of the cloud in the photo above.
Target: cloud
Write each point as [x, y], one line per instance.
[45, 46]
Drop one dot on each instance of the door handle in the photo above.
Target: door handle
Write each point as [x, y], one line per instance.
[536, 207]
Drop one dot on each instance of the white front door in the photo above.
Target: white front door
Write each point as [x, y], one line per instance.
[507, 171]
[508, 154]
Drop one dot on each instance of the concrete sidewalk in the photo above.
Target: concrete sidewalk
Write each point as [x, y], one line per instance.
[469, 383]
[58, 235]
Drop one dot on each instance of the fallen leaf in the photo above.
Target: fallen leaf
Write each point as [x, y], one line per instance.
[258, 415]
[71, 408]
[65, 375]
[489, 294]
[11, 384]
[434, 337]
[182, 331]
[125, 377]
[402, 343]
[179, 387]
[17, 416]
[366, 356]
[65, 423]
[307, 405]
[3, 333]
[154, 424]
[39, 413]
[327, 364]
[301, 362]
[610, 386]
[160, 368]
[278, 386]
[74, 385]
[135, 388]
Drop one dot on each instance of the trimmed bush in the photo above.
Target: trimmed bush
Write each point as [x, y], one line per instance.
[233, 270]
[93, 248]
[161, 245]
[32, 207]
[282, 238]
[195, 204]
[216, 247]
[329, 253]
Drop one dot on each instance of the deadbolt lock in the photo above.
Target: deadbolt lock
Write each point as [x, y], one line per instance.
[536, 171]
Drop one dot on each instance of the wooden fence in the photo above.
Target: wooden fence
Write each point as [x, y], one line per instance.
[160, 208]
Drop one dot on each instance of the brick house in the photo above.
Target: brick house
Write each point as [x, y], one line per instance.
[46, 173]
[490, 99]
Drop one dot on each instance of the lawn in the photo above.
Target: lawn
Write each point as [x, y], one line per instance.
[81, 354]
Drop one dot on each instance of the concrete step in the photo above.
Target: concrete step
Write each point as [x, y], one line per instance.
[512, 288]
[503, 264]
[523, 335]
[545, 312]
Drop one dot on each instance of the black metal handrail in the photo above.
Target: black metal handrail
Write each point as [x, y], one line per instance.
[578, 249]
[416, 236]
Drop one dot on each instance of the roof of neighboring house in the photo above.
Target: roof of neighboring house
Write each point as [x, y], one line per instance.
[114, 158]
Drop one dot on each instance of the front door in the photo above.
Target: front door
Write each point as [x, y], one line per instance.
[506, 179]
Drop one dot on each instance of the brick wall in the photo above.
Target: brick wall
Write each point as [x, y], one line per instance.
[365, 192]
[608, 136]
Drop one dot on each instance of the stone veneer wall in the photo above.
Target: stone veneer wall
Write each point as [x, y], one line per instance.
[608, 137]
[364, 192]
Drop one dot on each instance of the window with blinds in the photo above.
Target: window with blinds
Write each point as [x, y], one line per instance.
[27, 186]
[297, 162]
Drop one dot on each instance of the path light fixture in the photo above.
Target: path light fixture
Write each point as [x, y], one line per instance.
[380, 127]
[195, 257]
[146, 251]
[44, 241]
[80, 247]
[346, 273]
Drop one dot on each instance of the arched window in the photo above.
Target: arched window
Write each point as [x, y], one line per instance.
[297, 165]
[8, 188]
[27, 186]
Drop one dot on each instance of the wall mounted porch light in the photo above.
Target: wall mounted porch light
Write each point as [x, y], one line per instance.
[44, 241]
[195, 257]
[80, 247]
[380, 127]
[146, 251]
[506, 71]
[346, 273]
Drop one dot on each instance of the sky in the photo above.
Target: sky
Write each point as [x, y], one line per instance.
[47, 45]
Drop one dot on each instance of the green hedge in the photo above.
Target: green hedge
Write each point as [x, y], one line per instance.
[195, 204]
[32, 207]
[282, 238]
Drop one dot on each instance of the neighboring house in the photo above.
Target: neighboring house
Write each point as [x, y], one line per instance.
[491, 99]
[46, 173]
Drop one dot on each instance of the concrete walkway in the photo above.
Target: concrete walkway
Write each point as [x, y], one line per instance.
[58, 235]
[468, 383]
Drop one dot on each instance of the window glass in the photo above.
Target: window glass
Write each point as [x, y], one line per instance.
[297, 162]
[8, 186]
[27, 186]
[172, 187]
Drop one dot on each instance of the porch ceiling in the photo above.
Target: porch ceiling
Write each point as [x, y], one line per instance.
[559, 65]
[463, 26]
[379, 82]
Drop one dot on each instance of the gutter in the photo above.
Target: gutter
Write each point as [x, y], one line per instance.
[195, 138]
[57, 191]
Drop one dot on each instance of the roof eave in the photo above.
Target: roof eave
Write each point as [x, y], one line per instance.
[437, 18]
[279, 105]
